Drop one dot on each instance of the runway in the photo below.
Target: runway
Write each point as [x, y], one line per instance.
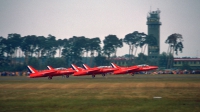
[142, 90]
[109, 77]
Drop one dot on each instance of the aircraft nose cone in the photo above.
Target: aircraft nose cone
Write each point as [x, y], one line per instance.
[155, 67]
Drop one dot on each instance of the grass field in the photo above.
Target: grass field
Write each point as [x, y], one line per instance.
[166, 93]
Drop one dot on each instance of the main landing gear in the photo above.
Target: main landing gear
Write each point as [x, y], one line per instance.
[49, 77]
[67, 76]
[93, 76]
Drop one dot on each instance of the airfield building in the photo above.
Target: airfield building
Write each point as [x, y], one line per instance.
[153, 23]
[194, 63]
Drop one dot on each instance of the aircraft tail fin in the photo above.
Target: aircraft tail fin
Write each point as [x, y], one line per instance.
[74, 67]
[50, 67]
[31, 69]
[86, 66]
[114, 65]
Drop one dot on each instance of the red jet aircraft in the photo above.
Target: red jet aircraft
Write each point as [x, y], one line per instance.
[82, 72]
[45, 73]
[62, 71]
[145, 67]
[102, 71]
[123, 70]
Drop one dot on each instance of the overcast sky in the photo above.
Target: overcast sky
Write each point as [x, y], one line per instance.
[99, 18]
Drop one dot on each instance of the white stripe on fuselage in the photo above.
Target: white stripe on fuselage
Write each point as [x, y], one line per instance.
[49, 67]
[75, 68]
[85, 67]
[31, 69]
[113, 65]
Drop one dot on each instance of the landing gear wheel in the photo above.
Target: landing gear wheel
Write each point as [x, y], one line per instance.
[103, 75]
[93, 76]
[67, 76]
[49, 77]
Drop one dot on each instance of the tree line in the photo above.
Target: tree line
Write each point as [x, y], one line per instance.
[16, 51]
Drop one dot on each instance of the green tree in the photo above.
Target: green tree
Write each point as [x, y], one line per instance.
[12, 44]
[28, 46]
[56, 62]
[3, 60]
[2, 46]
[134, 40]
[175, 44]
[163, 60]
[40, 46]
[108, 49]
[94, 47]
[111, 43]
[87, 47]
[15, 41]
[50, 46]
[60, 44]
[141, 59]
[33, 61]
[73, 50]
[101, 61]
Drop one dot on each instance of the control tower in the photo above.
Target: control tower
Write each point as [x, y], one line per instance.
[153, 23]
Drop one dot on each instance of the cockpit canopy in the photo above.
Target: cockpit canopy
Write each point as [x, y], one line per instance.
[61, 68]
[143, 65]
